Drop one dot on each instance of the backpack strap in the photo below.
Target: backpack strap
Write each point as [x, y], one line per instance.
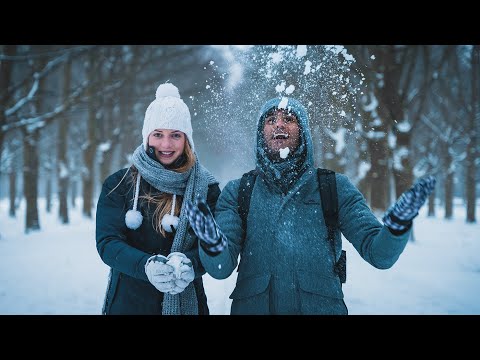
[328, 193]
[244, 195]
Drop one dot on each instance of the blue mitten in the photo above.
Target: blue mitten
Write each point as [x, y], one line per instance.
[204, 225]
[400, 215]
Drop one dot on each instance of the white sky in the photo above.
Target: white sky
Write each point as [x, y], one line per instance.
[58, 270]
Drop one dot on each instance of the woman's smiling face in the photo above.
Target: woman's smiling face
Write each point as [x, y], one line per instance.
[168, 144]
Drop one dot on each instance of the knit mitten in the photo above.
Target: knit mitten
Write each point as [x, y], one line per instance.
[204, 225]
[400, 215]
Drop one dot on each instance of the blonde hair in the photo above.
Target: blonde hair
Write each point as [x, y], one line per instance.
[163, 201]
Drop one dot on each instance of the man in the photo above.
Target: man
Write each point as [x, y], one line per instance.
[287, 263]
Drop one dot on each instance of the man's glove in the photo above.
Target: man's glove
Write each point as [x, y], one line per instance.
[205, 227]
[160, 274]
[400, 215]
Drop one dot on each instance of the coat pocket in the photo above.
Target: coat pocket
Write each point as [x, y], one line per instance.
[320, 295]
[251, 296]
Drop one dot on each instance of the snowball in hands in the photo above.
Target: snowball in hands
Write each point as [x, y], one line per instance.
[159, 273]
[284, 152]
[175, 260]
[182, 270]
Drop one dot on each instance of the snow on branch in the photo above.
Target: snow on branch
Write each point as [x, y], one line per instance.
[39, 121]
[434, 128]
[373, 103]
[39, 75]
[26, 57]
[36, 76]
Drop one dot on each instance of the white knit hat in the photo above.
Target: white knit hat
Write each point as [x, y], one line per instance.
[167, 111]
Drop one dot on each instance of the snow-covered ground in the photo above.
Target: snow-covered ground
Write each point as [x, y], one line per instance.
[58, 271]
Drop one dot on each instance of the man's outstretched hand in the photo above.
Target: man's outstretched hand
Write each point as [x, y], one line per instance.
[204, 225]
[400, 215]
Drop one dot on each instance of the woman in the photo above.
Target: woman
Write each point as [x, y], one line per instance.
[142, 232]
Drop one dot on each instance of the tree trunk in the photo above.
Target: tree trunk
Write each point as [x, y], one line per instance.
[472, 144]
[107, 135]
[378, 174]
[89, 154]
[90, 148]
[48, 192]
[404, 173]
[63, 173]
[331, 159]
[127, 121]
[12, 191]
[392, 111]
[105, 166]
[30, 180]
[431, 205]
[62, 198]
[31, 158]
[5, 75]
[62, 194]
[449, 192]
[73, 193]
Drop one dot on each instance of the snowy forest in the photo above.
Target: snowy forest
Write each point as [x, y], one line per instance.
[382, 114]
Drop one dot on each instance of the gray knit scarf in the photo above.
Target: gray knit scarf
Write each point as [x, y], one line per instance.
[193, 182]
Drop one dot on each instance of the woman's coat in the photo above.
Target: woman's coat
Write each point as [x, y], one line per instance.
[126, 251]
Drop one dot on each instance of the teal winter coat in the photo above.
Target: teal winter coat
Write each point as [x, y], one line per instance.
[286, 260]
[126, 251]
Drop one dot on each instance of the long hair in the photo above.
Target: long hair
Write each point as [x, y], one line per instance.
[163, 201]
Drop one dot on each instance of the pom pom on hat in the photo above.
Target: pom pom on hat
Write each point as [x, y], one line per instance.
[167, 89]
[167, 111]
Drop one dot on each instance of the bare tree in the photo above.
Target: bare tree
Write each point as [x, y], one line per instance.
[62, 146]
[5, 90]
[31, 111]
[472, 134]
[48, 187]
[374, 133]
[12, 191]
[31, 135]
[371, 63]
[90, 145]
[5, 96]
[445, 120]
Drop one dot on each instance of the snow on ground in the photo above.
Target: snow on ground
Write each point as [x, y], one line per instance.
[58, 271]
